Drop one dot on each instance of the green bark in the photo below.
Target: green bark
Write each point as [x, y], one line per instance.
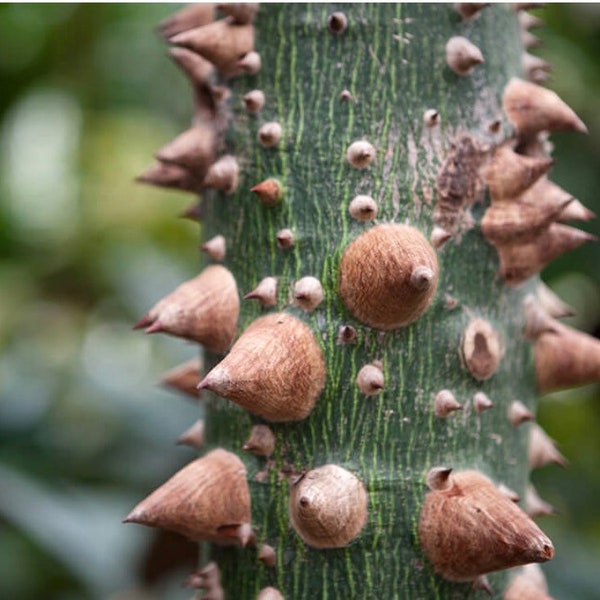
[392, 60]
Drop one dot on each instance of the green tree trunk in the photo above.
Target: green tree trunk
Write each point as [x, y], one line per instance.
[392, 61]
[373, 81]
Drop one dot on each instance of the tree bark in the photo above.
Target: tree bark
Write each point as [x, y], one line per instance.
[392, 60]
[432, 118]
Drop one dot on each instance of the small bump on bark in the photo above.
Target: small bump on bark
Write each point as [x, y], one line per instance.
[346, 335]
[494, 127]
[444, 404]
[194, 436]
[481, 349]
[265, 292]
[308, 293]
[249, 64]
[431, 118]
[285, 239]
[269, 135]
[482, 402]
[438, 478]
[360, 154]
[254, 101]
[370, 380]
[328, 507]
[462, 56]
[542, 449]
[363, 208]
[337, 23]
[223, 175]
[261, 441]
[216, 248]
[518, 413]
[269, 593]
[267, 555]
[450, 302]
[422, 278]
[346, 96]
[269, 191]
[439, 236]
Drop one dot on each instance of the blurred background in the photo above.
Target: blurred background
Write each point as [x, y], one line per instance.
[87, 95]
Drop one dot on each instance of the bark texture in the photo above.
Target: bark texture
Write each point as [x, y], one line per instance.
[391, 59]
[385, 220]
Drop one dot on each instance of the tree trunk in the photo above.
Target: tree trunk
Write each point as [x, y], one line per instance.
[392, 61]
[382, 77]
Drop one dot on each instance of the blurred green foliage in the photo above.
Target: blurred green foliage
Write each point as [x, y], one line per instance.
[87, 94]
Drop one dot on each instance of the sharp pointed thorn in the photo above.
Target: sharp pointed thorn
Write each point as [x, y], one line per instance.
[132, 517]
[145, 321]
[155, 327]
[188, 17]
[244, 534]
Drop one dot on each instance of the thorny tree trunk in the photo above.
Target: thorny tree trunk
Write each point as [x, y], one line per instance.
[381, 74]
